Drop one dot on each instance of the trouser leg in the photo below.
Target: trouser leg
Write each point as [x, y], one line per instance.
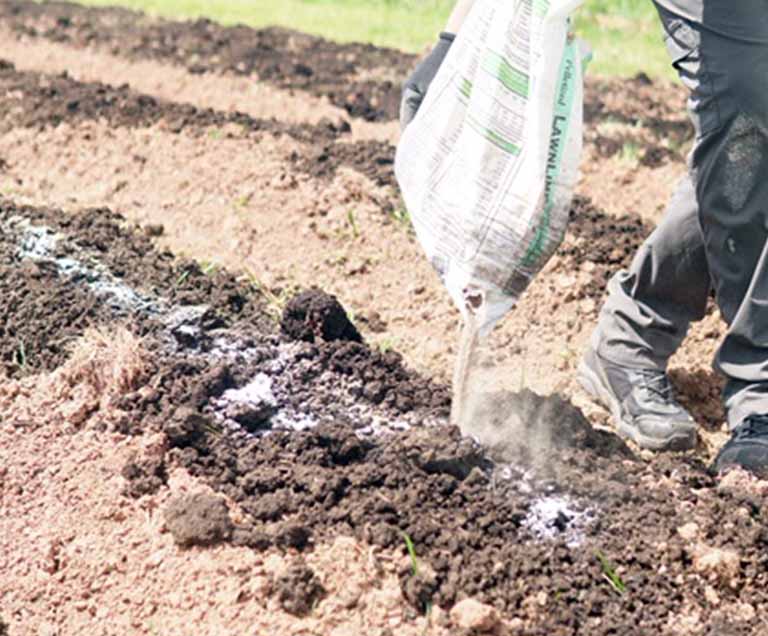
[728, 81]
[651, 305]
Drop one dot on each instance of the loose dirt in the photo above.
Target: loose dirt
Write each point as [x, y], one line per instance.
[481, 522]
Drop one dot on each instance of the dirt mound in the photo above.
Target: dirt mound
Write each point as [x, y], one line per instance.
[314, 315]
[65, 273]
[466, 517]
[209, 330]
[287, 59]
[328, 462]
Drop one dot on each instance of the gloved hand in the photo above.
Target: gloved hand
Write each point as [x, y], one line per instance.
[415, 87]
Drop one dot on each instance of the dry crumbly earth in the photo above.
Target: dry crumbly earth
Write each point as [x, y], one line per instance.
[171, 456]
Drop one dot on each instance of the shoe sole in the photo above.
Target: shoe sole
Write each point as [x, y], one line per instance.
[593, 384]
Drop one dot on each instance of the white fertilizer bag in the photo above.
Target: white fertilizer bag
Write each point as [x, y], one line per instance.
[488, 166]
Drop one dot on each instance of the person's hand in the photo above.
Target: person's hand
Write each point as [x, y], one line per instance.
[415, 87]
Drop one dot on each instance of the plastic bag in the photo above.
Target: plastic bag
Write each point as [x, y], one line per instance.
[488, 166]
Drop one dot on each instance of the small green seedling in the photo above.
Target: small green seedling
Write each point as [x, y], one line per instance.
[610, 575]
[352, 220]
[241, 203]
[402, 216]
[184, 276]
[630, 152]
[209, 268]
[213, 429]
[388, 344]
[411, 553]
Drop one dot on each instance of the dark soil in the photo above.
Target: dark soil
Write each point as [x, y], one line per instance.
[144, 476]
[285, 58]
[316, 316]
[299, 589]
[52, 306]
[46, 315]
[198, 520]
[36, 100]
[469, 523]
[215, 326]
[490, 530]
[607, 242]
[659, 107]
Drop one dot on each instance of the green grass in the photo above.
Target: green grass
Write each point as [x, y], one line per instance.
[624, 34]
[625, 37]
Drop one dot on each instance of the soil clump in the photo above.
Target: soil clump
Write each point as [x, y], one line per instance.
[299, 589]
[199, 519]
[314, 315]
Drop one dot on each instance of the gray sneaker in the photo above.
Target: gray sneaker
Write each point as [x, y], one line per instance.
[641, 402]
[747, 448]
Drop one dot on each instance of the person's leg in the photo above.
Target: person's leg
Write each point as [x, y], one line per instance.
[651, 305]
[728, 78]
[724, 63]
[642, 323]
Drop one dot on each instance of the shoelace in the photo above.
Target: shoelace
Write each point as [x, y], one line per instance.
[753, 426]
[657, 384]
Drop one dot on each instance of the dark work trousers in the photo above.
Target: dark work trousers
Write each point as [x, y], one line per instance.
[714, 234]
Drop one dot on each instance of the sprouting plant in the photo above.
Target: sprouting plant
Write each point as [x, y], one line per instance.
[411, 553]
[352, 220]
[610, 574]
[243, 201]
[402, 216]
[213, 429]
[630, 152]
[415, 566]
[209, 268]
[184, 275]
[387, 344]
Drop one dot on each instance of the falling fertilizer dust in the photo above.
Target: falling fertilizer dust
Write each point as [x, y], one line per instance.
[520, 431]
[513, 425]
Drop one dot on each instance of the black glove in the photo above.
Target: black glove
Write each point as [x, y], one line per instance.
[415, 87]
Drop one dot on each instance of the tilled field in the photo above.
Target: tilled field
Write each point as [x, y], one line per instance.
[188, 442]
